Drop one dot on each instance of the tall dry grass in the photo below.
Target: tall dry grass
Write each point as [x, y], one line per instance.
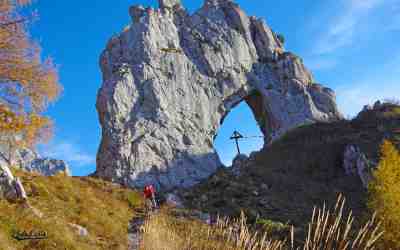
[332, 230]
[328, 230]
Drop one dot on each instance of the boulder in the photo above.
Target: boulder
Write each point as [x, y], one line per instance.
[10, 188]
[170, 80]
[238, 164]
[81, 231]
[174, 200]
[356, 163]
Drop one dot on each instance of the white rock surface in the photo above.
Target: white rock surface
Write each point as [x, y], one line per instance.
[356, 163]
[170, 78]
[28, 160]
[10, 188]
[81, 231]
[48, 167]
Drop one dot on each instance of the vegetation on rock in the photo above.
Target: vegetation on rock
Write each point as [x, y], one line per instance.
[281, 38]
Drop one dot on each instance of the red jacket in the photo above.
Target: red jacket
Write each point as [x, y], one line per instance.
[148, 191]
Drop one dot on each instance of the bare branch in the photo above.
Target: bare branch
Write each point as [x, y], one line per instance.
[22, 20]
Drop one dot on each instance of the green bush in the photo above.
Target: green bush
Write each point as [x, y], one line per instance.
[281, 38]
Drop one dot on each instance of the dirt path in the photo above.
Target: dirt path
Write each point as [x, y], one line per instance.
[135, 233]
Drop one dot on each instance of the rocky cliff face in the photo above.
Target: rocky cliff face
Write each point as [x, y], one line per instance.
[28, 160]
[170, 78]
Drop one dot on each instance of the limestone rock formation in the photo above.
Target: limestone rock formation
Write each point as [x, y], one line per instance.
[28, 160]
[356, 163]
[170, 78]
[47, 167]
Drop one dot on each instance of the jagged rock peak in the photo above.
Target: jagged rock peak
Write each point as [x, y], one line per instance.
[136, 12]
[168, 3]
[169, 83]
[217, 2]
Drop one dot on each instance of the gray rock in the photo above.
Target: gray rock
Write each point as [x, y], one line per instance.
[136, 13]
[135, 233]
[171, 78]
[366, 108]
[28, 160]
[377, 104]
[168, 3]
[356, 163]
[48, 167]
[265, 187]
[81, 231]
[10, 188]
[174, 200]
[238, 164]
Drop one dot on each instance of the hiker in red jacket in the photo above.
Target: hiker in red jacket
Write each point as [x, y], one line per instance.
[150, 195]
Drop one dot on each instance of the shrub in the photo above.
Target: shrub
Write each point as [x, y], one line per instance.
[384, 194]
[281, 38]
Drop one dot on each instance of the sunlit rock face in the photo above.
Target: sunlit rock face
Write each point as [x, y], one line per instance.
[28, 160]
[170, 78]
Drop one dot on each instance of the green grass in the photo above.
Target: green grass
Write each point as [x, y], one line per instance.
[273, 227]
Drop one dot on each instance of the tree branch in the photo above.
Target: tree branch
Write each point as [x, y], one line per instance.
[22, 20]
[5, 158]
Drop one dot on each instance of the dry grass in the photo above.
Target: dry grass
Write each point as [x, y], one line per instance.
[103, 208]
[331, 230]
[328, 229]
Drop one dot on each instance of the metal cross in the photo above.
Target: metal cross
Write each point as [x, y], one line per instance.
[236, 136]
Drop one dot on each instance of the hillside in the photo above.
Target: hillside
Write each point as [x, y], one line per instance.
[303, 169]
[277, 187]
[102, 208]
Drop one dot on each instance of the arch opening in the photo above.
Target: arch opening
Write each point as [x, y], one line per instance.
[242, 118]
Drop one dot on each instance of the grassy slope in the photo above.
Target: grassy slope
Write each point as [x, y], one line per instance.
[101, 207]
[301, 170]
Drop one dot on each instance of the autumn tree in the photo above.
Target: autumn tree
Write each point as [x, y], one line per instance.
[27, 83]
[384, 194]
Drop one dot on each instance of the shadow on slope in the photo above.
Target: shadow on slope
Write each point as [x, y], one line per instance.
[303, 169]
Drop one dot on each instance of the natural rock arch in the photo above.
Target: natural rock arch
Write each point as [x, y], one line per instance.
[170, 78]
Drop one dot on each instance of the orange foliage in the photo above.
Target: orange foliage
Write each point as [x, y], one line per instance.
[384, 194]
[27, 84]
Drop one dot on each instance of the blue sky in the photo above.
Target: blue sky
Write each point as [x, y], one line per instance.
[350, 46]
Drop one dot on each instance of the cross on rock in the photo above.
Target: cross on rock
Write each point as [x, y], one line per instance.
[236, 136]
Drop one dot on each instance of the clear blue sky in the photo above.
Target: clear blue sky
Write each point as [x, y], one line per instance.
[350, 45]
